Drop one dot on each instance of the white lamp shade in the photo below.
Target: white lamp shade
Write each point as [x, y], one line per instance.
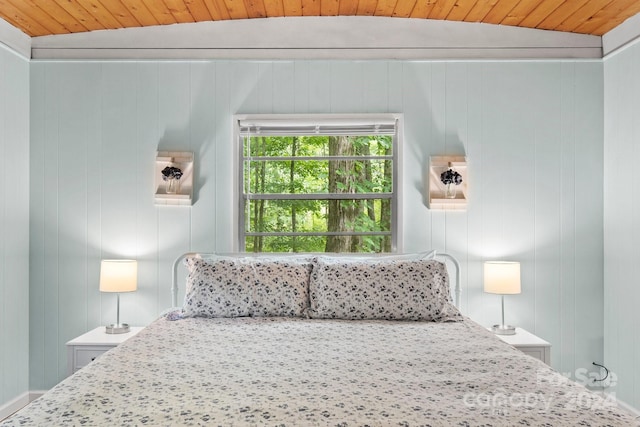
[118, 275]
[502, 277]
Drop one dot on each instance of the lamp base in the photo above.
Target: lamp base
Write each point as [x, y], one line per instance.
[503, 329]
[121, 328]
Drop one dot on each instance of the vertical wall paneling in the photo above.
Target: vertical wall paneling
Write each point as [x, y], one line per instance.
[225, 170]
[456, 139]
[530, 131]
[621, 224]
[565, 347]
[203, 129]
[149, 298]
[37, 226]
[174, 120]
[547, 195]
[589, 214]
[473, 294]
[14, 226]
[416, 93]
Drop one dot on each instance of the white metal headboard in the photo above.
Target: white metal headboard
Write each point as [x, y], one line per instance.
[457, 290]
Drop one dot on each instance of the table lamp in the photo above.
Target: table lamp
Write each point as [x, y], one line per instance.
[118, 275]
[503, 278]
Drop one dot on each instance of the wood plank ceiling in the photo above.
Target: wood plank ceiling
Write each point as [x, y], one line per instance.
[47, 17]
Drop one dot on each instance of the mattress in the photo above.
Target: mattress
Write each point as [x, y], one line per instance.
[298, 372]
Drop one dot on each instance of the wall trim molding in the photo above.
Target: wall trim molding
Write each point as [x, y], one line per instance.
[15, 404]
[621, 36]
[15, 39]
[19, 402]
[340, 37]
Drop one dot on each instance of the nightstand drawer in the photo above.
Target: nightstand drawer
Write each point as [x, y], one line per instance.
[537, 352]
[85, 355]
[87, 347]
[529, 344]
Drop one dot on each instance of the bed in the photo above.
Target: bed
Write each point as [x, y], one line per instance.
[331, 360]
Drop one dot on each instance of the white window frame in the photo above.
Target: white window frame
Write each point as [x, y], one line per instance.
[346, 120]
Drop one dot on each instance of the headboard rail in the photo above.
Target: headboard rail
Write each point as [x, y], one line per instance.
[457, 289]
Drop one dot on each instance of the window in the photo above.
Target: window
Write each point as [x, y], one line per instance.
[318, 183]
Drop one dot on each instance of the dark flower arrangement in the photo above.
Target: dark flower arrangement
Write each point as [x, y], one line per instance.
[171, 172]
[451, 177]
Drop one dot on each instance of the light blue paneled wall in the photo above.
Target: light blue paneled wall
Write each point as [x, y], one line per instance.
[532, 132]
[14, 226]
[622, 221]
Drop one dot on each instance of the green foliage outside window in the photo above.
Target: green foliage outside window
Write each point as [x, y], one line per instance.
[343, 187]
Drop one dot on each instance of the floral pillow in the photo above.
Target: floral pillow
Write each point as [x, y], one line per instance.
[381, 289]
[240, 287]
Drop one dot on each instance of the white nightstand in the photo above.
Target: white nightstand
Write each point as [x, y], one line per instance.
[529, 344]
[87, 347]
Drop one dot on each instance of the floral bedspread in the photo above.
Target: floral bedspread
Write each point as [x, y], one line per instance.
[299, 372]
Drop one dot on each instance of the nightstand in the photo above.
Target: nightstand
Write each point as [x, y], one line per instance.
[87, 347]
[529, 344]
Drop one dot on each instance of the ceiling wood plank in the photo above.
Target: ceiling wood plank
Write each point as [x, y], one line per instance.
[236, 9]
[348, 8]
[81, 15]
[558, 16]
[603, 16]
[292, 7]
[540, 13]
[124, 14]
[404, 8]
[18, 18]
[53, 19]
[329, 7]
[460, 10]
[367, 7]
[139, 11]
[198, 10]
[583, 14]
[520, 12]
[480, 10]
[423, 9]
[160, 12]
[62, 16]
[274, 8]
[102, 15]
[499, 12]
[255, 8]
[179, 10]
[442, 9]
[614, 21]
[217, 10]
[385, 7]
[310, 7]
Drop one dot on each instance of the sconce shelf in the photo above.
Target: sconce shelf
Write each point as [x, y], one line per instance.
[184, 192]
[437, 198]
